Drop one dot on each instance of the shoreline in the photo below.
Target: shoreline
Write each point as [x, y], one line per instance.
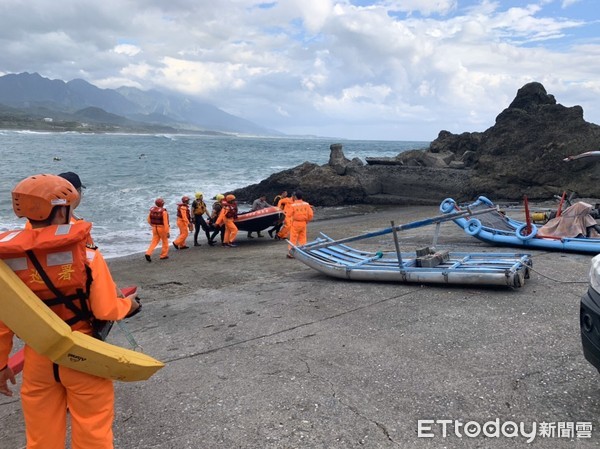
[321, 214]
[324, 213]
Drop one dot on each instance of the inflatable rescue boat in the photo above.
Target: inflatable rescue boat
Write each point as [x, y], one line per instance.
[258, 220]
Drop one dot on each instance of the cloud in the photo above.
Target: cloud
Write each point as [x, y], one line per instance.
[356, 67]
[127, 49]
[424, 7]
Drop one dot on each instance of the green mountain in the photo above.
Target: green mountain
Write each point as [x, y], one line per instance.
[41, 103]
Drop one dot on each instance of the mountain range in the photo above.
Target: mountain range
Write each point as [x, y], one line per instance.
[30, 96]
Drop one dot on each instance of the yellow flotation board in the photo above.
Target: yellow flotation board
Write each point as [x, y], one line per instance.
[41, 329]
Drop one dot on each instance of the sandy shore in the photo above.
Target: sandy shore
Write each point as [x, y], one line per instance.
[263, 352]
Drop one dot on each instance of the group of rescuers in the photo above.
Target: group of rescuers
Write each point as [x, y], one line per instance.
[82, 292]
[221, 220]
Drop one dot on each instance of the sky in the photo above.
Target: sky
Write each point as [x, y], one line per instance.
[353, 69]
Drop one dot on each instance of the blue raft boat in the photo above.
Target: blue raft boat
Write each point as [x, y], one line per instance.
[336, 259]
[497, 229]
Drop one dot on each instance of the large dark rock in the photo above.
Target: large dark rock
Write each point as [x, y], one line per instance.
[321, 184]
[361, 184]
[521, 154]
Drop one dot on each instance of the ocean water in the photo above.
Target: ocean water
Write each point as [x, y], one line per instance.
[125, 173]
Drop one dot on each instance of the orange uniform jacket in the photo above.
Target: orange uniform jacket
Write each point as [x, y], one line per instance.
[284, 203]
[300, 212]
[105, 301]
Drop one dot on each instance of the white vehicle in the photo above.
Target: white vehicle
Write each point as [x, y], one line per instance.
[589, 316]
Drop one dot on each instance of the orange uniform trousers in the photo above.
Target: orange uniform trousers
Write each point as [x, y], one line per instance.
[284, 233]
[285, 206]
[184, 231]
[298, 233]
[90, 400]
[231, 230]
[159, 234]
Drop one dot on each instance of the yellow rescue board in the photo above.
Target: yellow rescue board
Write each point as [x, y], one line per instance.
[40, 328]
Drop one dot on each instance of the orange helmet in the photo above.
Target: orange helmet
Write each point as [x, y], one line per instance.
[230, 197]
[185, 199]
[36, 196]
[159, 202]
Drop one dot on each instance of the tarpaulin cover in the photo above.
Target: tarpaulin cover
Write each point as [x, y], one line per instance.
[573, 222]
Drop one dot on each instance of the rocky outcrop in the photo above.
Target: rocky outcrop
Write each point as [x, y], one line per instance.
[343, 181]
[339, 162]
[322, 184]
[521, 154]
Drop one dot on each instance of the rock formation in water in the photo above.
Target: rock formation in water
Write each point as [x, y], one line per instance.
[522, 154]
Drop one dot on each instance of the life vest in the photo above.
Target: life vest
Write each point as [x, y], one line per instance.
[231, 211]
[74, 219]
[183, 209]
[199, 207]
[156, 216]
[53, 262]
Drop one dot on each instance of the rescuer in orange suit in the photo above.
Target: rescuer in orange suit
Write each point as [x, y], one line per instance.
[226, 218]
[158, 218]
[184, 223]
[284, 204]
[299, 215]
[49, 390]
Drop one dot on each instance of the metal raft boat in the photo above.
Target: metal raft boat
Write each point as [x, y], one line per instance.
[336, 259]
